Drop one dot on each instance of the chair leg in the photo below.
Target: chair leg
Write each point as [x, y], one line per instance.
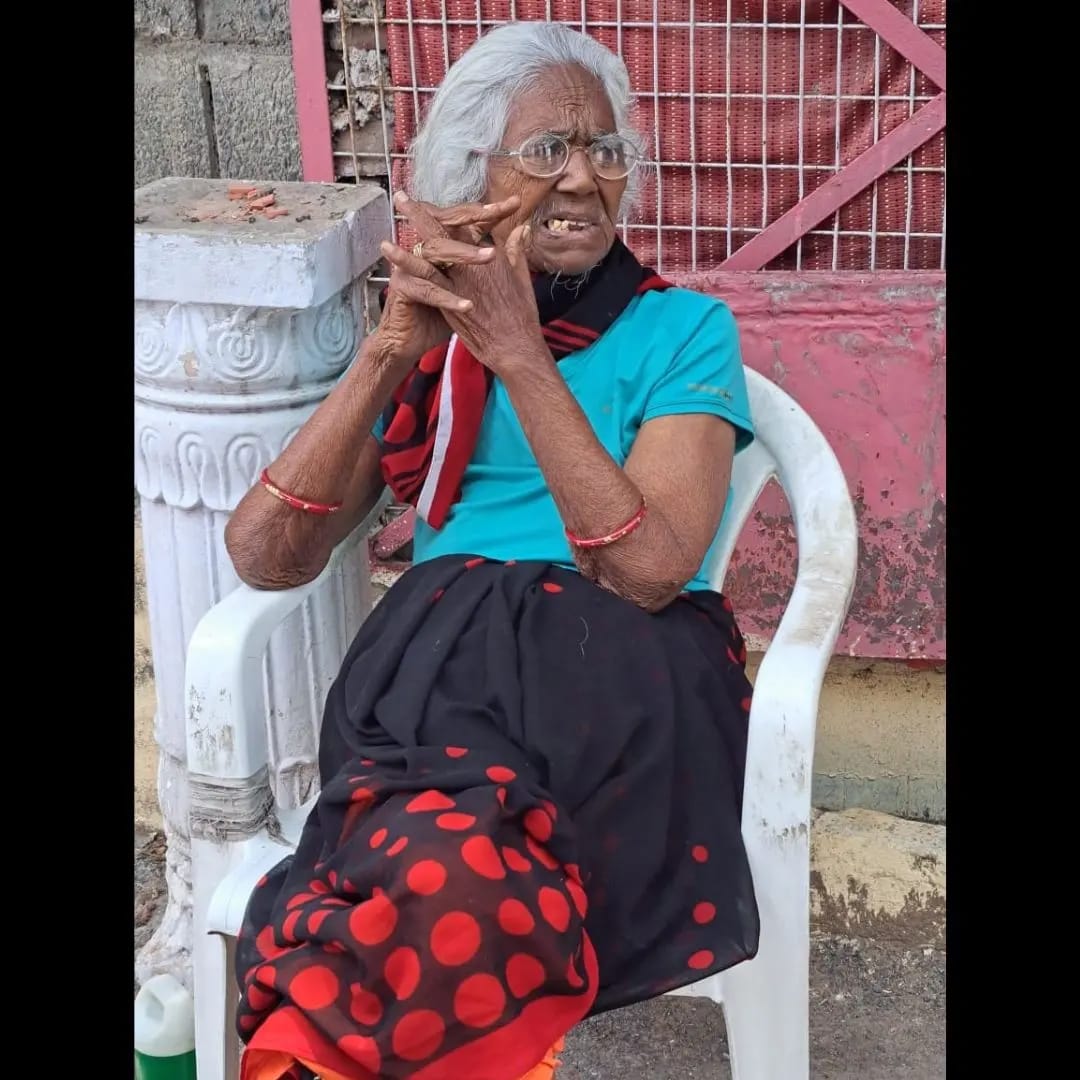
[216, 1043]
[767, 999]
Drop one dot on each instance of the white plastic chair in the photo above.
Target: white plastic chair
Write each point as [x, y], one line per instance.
[765, 1000]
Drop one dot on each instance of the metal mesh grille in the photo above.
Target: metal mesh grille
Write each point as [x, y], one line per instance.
[750, 105]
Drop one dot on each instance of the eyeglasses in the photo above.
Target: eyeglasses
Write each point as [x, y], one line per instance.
[546, 156]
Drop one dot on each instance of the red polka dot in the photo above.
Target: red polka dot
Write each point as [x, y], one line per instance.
[430, 800]
[745, 703]
[398, 846]
[704, 913]
[456, 751]
[418, 1035]
[551, 587]
[479, 1001]
[288, 927]
[314, 987]
[362, 795]
[541, 855]
[373, 921]
[331, 876]
[439, 593]
[551, 808]
[317, 920]
[700, 960]
[577, 894]
[298, 899]
[363, 1050]
[524, 974]
[572, 977]
[402, 972]
[500, 774]
[364, 1007]
[248, 1022]
[260, 999]
[500, 794]
[699, 853]
[261, 882]
[455, 938]
[455, 822]
[515, 860]
[426, 877]
[538, 825]
[377, 838]
[266, 975]
[319, 887]
[480, 855]
[430, 361]
[555, 908]
[334, 947]
[515, 918]
[264, 942]
[470, 563]
[574, 871]
[367, 761]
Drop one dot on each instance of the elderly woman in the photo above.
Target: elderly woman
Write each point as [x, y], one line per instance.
[532, 759]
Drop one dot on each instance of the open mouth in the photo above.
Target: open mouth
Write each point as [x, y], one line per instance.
[567, 226]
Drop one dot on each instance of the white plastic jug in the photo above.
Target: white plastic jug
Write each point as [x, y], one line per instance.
[164, 1031]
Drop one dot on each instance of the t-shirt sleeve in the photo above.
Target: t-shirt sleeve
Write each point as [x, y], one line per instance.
[707, 376]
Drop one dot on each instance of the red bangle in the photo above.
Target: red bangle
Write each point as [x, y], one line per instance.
[293, 501]
[618, 534]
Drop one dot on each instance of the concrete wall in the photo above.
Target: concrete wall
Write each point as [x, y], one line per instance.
[880, 746]
[214, 92]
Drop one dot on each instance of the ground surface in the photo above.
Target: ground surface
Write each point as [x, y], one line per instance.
[877, 1012]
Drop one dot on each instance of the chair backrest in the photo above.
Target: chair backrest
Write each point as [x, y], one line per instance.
[789, 446]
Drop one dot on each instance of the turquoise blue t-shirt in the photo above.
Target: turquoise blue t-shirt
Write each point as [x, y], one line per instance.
[669, 352]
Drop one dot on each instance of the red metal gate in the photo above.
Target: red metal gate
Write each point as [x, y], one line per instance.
[787, 135]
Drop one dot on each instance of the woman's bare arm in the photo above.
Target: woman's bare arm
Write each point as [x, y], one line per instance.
[332, 457]
[680, 465]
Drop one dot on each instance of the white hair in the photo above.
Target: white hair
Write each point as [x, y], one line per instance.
[470, 110]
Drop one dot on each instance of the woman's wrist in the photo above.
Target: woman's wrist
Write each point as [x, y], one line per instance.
[519, 357]
[382, 354]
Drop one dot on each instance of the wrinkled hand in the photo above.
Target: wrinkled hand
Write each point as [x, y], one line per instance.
[498, 321]
[420, 296]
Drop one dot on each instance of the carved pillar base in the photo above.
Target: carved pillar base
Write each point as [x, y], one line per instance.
[241, 329]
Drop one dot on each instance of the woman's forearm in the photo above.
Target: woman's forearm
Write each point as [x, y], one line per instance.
[593, 494]
[331, 458]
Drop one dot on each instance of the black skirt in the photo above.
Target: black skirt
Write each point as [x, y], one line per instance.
[530, 813]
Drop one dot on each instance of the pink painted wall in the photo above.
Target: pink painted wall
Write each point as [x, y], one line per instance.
[864, 354]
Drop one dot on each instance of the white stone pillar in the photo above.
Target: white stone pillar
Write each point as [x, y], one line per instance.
[242, 325]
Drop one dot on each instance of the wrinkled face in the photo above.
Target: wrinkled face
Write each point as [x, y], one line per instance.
[572, 215]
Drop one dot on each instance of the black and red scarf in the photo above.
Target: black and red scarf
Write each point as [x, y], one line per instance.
[432, 423]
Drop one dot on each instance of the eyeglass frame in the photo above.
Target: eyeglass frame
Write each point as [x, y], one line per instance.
[571, 148]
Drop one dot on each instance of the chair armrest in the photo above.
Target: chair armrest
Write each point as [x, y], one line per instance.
[226, 730]
[784, 711]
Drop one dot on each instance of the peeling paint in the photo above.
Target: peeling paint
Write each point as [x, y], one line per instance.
[864, 354]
